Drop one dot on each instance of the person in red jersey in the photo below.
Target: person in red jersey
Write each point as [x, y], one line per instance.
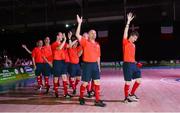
[69, 67]
[38, 62]
[48, 58]
[130, 69]
[59, 63]
[67, 60]
[75, 52]
[90, 86]
[91, 66]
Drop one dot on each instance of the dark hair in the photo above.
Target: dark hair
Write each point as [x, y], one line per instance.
[58, 33]
[39, 41]
[134, 33]
[73, 38]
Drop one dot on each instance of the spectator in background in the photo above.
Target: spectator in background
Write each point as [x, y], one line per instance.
[18, 62]
[8, 62]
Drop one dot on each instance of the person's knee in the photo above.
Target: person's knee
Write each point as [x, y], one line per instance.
[56, 79]
[85, 83]
[128, 82]
[97, 82]
[72, 78]
[64, 77]
[78, 77]
[138, 80]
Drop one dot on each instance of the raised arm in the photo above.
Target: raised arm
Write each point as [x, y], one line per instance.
[25, 47]
[74, 42]
[63, 43]
[70, 41]
[79, 20]
[129, 19]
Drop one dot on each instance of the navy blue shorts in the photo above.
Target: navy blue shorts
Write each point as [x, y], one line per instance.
[75, 70]
[131, 71]
[47, 70]
[67, 67]
[58, 68]
[90, 71]
[39, 69]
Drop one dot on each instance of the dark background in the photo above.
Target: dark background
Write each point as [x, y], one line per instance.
[26, 21]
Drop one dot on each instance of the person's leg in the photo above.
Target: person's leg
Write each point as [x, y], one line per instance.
[127, 72]
[47, 83]
[75, 73]
[126, 89]
[56, 74]
[88, 87]
[65, 79]
[86, 77]
[92, 85]
[70, 81]
[47, 73]
[38, 73]
[82, 90]
[72, 72]
[78, 79]
[65, 88]
[56, 85]
[135, 87]
[73, 85]
[67, 70]
[96, 80]
[137, 78]
[97, 89]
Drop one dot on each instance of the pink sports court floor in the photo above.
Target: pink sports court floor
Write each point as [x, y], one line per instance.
[159, 92]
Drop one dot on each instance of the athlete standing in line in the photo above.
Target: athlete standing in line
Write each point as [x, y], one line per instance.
[130, 69]
[59, 64]
[91, 66]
